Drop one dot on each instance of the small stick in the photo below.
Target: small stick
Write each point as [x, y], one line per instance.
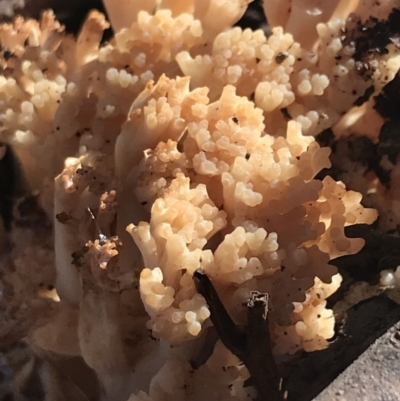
[253, 345]
[259, 359]
[228, 332]
[206, 350]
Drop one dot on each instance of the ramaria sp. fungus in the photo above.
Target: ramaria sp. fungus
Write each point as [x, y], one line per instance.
[192, 143]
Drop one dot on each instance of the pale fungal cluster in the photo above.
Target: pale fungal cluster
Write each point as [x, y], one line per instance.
[180, 144]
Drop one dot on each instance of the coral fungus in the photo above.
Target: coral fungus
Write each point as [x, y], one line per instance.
[182, 143]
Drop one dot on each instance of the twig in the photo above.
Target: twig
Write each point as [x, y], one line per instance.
[251, 346]
[227, 330]
[258, 357]
[205, 352]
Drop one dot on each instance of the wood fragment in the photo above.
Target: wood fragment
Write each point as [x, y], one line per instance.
[252, 346]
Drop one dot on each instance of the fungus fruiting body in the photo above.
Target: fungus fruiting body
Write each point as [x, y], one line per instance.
[193, 145]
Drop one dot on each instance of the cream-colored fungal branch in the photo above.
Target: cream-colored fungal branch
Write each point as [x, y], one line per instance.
[184, 143]
[228, 12]
[300, 17]
[123, 13]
